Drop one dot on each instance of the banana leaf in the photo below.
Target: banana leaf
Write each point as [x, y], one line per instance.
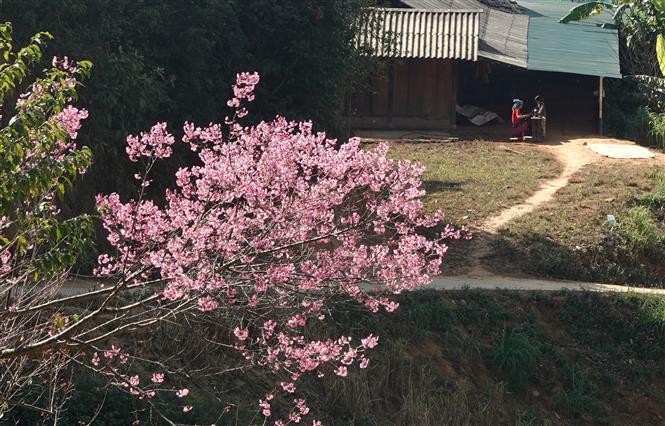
[585, 10]
[660, 52]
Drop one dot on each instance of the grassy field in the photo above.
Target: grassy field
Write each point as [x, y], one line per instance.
[470, 181]
[571, 238]
[508, 358]
[457, 358]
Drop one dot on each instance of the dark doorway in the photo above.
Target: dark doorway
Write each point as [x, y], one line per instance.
[571, 99]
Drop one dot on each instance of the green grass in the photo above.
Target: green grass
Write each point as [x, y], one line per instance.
[515, 355]
[470, 181]
[571, 237]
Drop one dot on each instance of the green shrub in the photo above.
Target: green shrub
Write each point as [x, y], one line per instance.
[655, 200]
[652, 314]
[579, 396]
[431, 316]
[640, 230]
[515, 355]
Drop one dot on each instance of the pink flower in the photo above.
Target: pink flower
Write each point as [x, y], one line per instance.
[316, 423]
[95, 359]
[158, 378]
[282, 223]
[370, 341]
[265, 407]
[134, 380]
[207, 304]
[288, 387]
[156, 144]
[187, 408]
[182, 393]
[70, 118]
[112, 353]
[341, 371]
[241, 333]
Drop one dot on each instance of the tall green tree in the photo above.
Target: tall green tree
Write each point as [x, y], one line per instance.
[175, 60]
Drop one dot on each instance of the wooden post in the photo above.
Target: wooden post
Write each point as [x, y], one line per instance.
[453, 94]
[391, 93]
[601, 98]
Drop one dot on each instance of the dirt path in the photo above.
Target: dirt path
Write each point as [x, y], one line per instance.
[573, 155]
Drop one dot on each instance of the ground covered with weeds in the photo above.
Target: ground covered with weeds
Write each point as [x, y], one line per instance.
[445, 358]
[489, 358]
[572, 238]
[470, 181]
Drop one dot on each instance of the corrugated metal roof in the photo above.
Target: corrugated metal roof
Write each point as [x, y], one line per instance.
[533, 38]
[577, 47]
[409, 33]
[503, 35]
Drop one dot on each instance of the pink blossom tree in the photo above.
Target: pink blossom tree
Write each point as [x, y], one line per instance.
[274, 226]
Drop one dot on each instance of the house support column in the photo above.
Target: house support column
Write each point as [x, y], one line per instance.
[601, 98]
[391, 93]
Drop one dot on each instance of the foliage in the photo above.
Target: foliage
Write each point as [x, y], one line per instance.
[579, 396]
[655, 200]
[584, 10]
[515, 355]
[38, 163]
[174, 61]
[640, 230]
[642, 23]
[635, 108]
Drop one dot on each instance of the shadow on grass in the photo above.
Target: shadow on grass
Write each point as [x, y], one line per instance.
[434, 186]
[537, 255]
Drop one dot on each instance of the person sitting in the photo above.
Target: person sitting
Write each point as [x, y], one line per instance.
[539, 110]
[539, 121]
[520, 121]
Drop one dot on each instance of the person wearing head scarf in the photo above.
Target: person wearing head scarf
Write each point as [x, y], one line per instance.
[520, 121]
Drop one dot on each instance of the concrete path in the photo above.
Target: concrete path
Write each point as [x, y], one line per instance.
[527, 284]
[622, 151]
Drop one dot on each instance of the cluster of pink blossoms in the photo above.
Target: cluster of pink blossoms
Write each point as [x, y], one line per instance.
[155, 144]
[276, 222]
[70, 118]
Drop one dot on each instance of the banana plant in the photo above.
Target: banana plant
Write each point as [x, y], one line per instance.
[650, 13]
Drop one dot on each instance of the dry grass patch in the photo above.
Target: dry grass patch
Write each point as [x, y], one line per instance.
[571, 237]
[470, 181]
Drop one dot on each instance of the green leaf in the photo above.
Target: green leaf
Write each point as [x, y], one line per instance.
[660, 52]
[585, 10]
[618, 14]
[659, 5]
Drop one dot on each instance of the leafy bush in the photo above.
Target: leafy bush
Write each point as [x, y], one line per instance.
[640, 230]
[636, 108]
[515, 355]
[579, 396]
[655, 200]
[432, 316]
